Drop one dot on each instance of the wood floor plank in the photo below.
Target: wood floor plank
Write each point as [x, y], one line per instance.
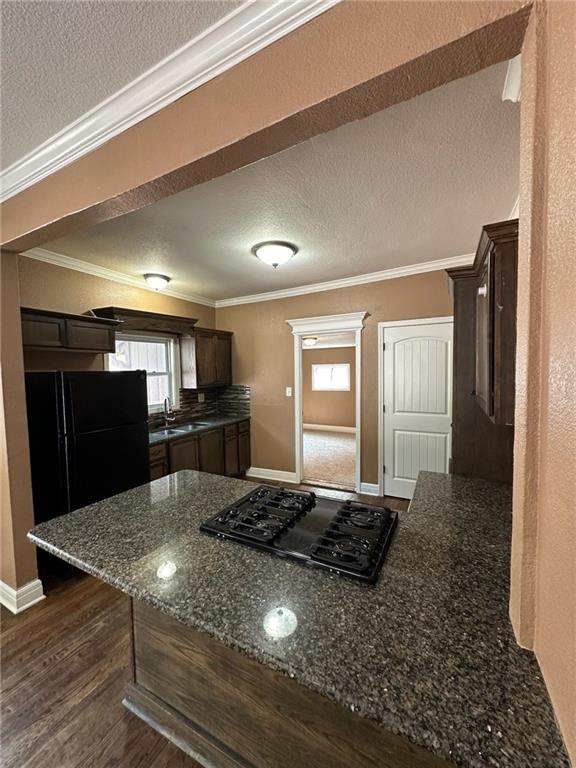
[65, 664]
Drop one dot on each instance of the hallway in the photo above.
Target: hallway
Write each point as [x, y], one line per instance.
[329, 458]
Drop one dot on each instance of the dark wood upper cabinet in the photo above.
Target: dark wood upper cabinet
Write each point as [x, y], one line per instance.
[483, 341]
[140, 320]
[484, 357]
[206, 359]
[496, 264]
[224, 359]
[45, 329]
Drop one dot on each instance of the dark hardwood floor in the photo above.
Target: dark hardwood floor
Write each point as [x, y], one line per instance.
[65, 663]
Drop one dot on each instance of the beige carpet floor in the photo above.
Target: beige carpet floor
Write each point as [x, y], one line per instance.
[329, 457]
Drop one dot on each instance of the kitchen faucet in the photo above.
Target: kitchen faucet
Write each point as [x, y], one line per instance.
[169, 415]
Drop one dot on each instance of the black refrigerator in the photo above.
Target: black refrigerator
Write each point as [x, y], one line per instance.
[88, 436]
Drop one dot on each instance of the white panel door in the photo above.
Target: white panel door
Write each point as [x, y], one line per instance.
[417, 403]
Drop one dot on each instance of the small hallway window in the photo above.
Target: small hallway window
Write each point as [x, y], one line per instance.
[157, 355]
[334, 377]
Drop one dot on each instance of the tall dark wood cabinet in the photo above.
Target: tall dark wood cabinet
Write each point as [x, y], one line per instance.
[485, 356]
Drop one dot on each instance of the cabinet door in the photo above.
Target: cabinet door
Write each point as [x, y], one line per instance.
[211, 451]
[205, 359]
[184, 454]
[484, 341]
[504, 313]
[90, 336]
[158, 469]
[243, 452]
[38, 331]
[231, 456]
[224, 360]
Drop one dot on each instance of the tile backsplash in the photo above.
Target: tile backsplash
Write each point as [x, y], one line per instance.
[218, 401]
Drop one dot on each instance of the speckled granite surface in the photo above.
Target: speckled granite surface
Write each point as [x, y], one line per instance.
[209, 422]
[428, 652]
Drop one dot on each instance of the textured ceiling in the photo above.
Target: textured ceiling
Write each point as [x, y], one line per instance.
[60, 58]
[413, 183]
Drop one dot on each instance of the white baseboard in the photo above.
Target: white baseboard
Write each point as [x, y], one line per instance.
[370, 488]
[328, 428]
[17, 600]
[272, 474]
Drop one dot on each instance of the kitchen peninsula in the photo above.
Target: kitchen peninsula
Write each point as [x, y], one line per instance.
[244, 659]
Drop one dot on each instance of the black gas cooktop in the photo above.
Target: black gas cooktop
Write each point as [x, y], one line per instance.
[345, 537]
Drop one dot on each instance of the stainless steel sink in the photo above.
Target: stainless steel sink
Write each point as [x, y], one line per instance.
[167, 432]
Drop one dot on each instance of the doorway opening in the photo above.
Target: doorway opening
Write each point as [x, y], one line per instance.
[327, 399]
[329, 410]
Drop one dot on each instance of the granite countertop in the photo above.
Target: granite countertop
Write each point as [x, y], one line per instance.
[192, 428]
[428, 652]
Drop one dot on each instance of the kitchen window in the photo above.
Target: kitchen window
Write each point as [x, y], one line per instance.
[334, 377]
[158, 356]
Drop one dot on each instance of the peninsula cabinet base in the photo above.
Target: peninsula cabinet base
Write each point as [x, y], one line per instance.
[228, 711]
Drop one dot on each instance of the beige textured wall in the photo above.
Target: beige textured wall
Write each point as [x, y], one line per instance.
[543, 600]
[46, 286]
[263, 355]
[18, 557]
[336, 409]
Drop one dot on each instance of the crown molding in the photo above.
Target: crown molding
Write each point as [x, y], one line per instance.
[348, 282]
[69, 262]
[236, 37]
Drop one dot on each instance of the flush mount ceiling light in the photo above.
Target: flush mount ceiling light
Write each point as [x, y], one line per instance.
[158, 282]
[274, 252]
[309, 341]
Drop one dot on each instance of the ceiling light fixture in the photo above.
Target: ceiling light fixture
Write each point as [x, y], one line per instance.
[274, 252]
[309, 341]
[158, 282]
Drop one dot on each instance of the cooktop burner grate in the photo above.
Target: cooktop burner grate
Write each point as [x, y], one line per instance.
[345, 537]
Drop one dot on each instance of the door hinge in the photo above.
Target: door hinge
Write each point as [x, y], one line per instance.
[383, 409]
[384, 468]
[384, 345]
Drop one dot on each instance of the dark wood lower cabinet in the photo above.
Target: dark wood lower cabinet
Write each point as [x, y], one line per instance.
[158, 469]
[220, 451]
[211, 452]
[231, 456]
[229, 711]
[184, 454]
[244, 448]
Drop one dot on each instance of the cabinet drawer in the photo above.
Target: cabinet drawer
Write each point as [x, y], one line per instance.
[158, 469]
[231, 430]
[157, 452]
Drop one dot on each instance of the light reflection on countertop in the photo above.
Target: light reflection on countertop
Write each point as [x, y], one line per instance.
[279, 623]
